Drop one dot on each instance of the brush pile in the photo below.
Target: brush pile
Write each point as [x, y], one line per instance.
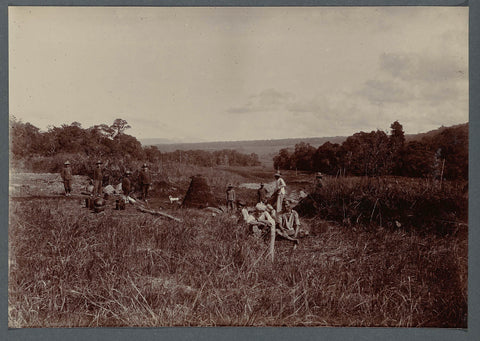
[199, 194]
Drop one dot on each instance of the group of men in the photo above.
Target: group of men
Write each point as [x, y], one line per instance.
[264, 217]
[144, 178]
[283, 218]
[279, 194]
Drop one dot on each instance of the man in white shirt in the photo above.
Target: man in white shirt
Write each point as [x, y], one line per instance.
[280, 190]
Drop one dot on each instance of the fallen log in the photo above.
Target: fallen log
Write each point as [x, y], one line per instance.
[143, 209]
[214, 210]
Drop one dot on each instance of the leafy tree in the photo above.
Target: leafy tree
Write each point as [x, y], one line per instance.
[418, 159]
[302, 158]
[327, 158]
[452, 144]
[282, 160]
[104, 130]
[152, 154]
[397, 144]
[25, 139]
[119, 126]
[361, 154]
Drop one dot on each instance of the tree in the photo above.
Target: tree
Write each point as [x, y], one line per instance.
[26, 139]
[326, 158]
[282, 160]
[366, 153]
[152, 154]
[119, 126]
[104, 130]
[418, 159]
[397, 145]
[452, 144]
[302, 158]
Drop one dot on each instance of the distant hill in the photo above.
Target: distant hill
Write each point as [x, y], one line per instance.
[265, 149]
[159, 140]
[432, 133]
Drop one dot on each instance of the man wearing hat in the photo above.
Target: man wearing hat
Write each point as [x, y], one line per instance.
[230, 198]
[97, 179]
[318, 183]
[126, 185]
[67, 177]
[262, 194]
[280, 190]
[145, 181]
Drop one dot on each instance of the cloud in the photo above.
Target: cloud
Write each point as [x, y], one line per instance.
[440, 93]
[267, 100]
[312, 105]
[415, 67]
[384, 91]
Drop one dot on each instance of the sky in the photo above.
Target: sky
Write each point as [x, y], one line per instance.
[223, 74]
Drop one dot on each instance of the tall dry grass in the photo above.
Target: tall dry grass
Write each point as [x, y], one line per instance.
[70, 267]
[415, 204]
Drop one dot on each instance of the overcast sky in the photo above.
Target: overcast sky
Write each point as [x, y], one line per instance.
[240, 73]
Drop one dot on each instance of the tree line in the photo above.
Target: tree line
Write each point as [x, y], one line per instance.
[444, 154]
[108, 142]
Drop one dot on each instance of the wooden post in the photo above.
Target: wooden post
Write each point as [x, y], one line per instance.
[272, 242]
[441, 174]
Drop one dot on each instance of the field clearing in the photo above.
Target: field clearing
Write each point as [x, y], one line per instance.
[71, 267]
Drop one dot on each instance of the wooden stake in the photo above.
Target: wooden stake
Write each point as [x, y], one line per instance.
[441, 174]
[272, 242]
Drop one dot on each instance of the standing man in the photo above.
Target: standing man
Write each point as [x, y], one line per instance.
[97, 179]
[280, 191]
[145, 181]
[262, 194]
[318, 184]
[126, 185]
[230, 198]
[67, 177]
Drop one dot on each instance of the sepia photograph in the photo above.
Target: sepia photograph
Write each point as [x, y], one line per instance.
[238, 166]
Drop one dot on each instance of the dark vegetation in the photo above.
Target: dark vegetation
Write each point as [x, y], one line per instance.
[410, 204]
[37, 151]
[443, 154]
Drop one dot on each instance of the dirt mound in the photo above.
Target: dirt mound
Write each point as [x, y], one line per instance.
[199, 194]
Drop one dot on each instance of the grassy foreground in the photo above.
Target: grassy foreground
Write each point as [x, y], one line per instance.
[71, 267]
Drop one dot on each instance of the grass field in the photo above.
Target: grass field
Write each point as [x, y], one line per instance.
[71, 267]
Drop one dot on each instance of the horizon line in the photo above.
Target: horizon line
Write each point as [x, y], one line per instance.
[285, 138]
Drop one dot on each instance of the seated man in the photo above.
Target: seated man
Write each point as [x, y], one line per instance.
[289, 222]
[264, 216]
[262, 220]
[269, 216]
[258, 217]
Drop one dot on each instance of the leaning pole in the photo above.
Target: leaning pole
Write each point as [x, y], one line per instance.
[272, 242]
